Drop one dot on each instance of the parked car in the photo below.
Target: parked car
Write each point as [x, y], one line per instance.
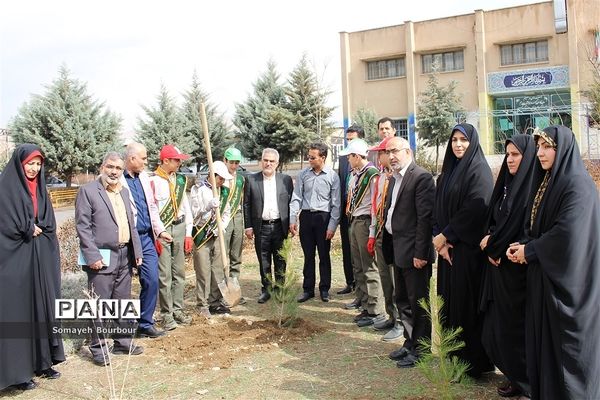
[203, 171]
[55, 182]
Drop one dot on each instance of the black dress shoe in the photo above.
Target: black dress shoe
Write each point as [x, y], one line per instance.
[150, 332]
[305, 296]
[399, 354]
[220, 309]
[361, 315]
[25, 385]
[264, 297]
[49, 373]
[346, 290]
[370, 319]
[134, 351]
[509, 391]
[408, 361]
[325, 296]
[353, 305]
[101, 361]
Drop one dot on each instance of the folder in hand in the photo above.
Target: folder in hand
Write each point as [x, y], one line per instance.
[105, 253]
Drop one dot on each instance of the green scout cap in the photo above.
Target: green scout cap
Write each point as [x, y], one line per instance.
[233, 154]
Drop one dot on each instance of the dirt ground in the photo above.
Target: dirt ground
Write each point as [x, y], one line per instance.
[246, 356]
[220, 342]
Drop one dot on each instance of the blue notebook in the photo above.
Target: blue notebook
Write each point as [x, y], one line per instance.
[105, 253]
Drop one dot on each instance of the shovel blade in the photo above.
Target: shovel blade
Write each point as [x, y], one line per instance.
[231, 291]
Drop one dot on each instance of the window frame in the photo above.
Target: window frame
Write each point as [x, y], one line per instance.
[383, 68]
[443, 59]
[521, 52]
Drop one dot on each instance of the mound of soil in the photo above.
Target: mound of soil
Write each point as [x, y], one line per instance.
[217, 343]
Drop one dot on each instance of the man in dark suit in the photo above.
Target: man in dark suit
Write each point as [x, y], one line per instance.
[407, 244]
[267, 196]
[104, 221]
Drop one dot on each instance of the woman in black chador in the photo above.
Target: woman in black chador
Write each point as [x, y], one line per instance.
[504, 283]
[29, 273]
[562, 253]
[461, 205]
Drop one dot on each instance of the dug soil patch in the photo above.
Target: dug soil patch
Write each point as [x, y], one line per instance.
[216, 344]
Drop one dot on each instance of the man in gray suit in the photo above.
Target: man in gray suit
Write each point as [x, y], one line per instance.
[104, 221]
[267, 196]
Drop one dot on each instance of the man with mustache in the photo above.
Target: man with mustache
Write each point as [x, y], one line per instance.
[104, 221]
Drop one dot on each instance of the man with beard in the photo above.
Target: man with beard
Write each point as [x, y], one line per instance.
[407, 244]
[104, 220]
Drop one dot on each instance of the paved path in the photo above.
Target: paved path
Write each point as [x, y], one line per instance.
[64, 213]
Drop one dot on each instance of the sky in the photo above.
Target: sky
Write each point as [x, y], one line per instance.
[124, 50]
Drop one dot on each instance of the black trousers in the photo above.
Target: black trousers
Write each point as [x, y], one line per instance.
[411, 284]
[267, 243]
[347, 259]
[313, 228]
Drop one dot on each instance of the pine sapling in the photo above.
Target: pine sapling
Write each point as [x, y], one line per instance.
[285, 292]
[437, 362]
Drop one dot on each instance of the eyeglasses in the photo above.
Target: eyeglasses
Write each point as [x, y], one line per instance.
[395, 151]
[269, 161]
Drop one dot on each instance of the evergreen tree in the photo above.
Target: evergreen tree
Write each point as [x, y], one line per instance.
[220, 138]
[437, 108]
[164, 124]
[305, 118]
[73, 130]
[254, 118]
[593, 95]
[367, 119]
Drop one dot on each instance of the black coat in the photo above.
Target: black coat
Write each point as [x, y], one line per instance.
[254, 201]
[563, 278]
[504, 286]
[411, 218]
[461, 203]
[29, 276]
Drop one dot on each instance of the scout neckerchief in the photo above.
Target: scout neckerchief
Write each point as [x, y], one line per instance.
[379, 207]
[202, 234]
[170, 210]
[361, 184]
[235, 193]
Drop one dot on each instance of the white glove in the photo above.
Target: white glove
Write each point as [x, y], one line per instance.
[214, 203]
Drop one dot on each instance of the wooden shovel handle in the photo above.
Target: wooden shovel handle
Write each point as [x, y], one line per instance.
[213, 183]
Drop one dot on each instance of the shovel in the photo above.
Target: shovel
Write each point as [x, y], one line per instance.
[229, 287]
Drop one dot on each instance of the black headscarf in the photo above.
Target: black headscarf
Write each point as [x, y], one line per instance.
[29, 274]
[467, 179]
[508, 226]
[563, 283]
[17, 218]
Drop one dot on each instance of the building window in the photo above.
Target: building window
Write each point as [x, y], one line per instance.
[444, 62]
[401, 126]
[383, 69]
[524, 53]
